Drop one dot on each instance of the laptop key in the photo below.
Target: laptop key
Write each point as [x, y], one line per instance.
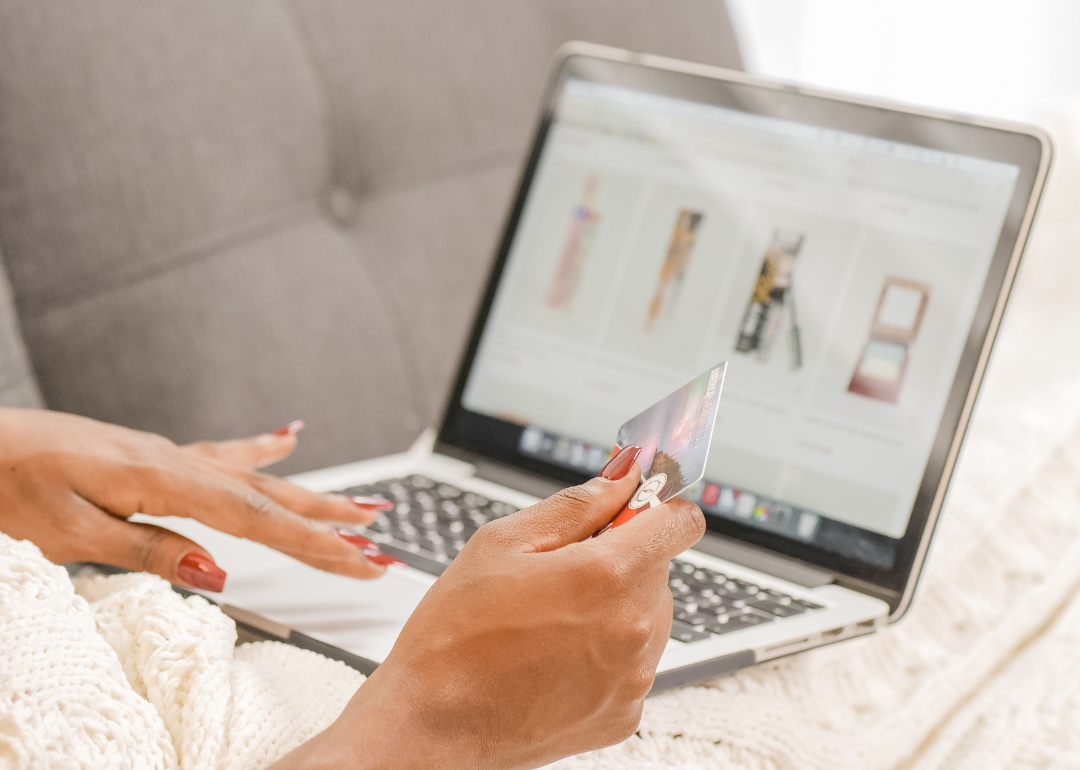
[777, 609]
[696, 619]
[684, 633]
[719, 608]
[422, 561]
[434, 547]
[380, 525]
[431, 521]
[498, 510]
[736, 623]
[776, 596]
[456, 530]
[807, 604]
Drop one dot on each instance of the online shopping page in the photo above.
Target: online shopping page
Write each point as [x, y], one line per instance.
[837, 274]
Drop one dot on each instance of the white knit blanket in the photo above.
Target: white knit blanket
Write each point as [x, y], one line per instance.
[984, 673]
[121, 672]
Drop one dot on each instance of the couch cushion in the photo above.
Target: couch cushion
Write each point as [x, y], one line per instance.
[131, 130]
[222, 216]
[426, 88]
[242, 342]
[433, 242]
[17, 384]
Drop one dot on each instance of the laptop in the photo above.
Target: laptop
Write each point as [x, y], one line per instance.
[849, 259]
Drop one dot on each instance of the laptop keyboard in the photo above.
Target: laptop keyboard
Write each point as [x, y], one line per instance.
[432, 520]
[709, 603]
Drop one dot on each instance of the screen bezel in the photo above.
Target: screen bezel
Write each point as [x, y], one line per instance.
[470, 436]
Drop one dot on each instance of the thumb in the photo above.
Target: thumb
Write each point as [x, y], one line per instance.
[659, 533]
[146, 548]
[575, 513]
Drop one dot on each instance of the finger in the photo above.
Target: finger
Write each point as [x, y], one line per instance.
[313, 505]
[574, 513]
[254, 452]
[357, 566]
[200, 491]
[657, 534]
[147, 548]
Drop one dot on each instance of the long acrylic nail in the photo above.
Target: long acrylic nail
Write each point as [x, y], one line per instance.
[354, 539]
[382, 559]
[619, 465]
[373, 502]
[199, 571]
[369, 549]
[291, 429]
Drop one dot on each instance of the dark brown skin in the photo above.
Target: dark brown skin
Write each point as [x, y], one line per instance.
[535, 644]
[69, 483]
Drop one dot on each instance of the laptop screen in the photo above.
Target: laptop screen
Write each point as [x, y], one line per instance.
[837, 273]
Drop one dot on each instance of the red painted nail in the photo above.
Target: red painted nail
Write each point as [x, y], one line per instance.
[291, 429]
[369, 549]
[619, 465]
[374, 502]
[354, 539]
[199, 571]
[383, 559]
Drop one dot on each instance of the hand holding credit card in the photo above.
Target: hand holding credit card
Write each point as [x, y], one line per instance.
[674, 435]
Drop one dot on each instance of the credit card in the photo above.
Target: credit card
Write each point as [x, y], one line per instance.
[674, 435]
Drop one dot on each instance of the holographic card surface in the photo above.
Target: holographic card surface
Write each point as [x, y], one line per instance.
[674, 435]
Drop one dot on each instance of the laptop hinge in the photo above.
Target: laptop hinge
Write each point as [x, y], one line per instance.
[763, 561]
[529, 483]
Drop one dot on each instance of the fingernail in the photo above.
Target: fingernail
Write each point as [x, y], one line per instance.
[619, 465]
[291, 429]
[199, 571]
[354, 539]
[382, 559]
[374, 502]
[369, 549]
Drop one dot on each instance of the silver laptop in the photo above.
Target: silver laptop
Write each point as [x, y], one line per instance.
[850, 260]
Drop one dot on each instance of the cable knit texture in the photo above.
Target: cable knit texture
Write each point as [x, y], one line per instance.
[121, 672]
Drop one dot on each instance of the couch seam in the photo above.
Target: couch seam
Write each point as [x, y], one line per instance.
[36, 305]
[403, 340]
[191, 254]
[306, 39]
[403, 336]
[474, 164]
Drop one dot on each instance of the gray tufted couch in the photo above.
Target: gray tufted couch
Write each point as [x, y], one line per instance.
[217, 216]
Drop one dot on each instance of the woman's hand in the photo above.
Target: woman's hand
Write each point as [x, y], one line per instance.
[69, 484]
[536, 643]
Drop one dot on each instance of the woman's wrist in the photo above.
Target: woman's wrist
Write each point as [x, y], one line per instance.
[381, 729]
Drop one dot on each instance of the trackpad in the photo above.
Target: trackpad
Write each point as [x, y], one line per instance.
[363, 617]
